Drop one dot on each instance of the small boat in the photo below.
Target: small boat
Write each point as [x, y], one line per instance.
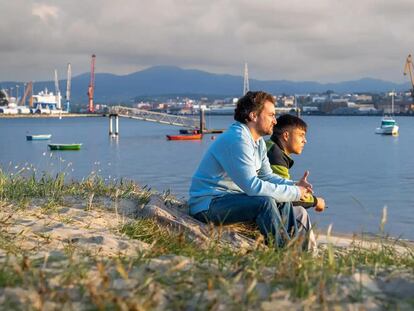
[185, 137]
[64, 146]
[189, 131]
[388, 127]
[39, 137]
[388, 124]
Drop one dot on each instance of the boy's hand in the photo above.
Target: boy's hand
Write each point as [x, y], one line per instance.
[320, 206]
[305, 193]
[303, 182]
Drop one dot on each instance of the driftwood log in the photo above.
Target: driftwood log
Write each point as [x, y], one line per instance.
[175, 215]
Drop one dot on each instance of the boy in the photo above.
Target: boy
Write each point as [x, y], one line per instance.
[289, 136]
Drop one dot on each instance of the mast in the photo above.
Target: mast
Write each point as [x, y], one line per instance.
[246, 79]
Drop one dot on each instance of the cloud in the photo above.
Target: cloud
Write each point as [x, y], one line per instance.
[45, 12]
[322, 40]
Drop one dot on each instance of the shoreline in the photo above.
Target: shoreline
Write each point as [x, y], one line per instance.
[40, 116]
[74, 115]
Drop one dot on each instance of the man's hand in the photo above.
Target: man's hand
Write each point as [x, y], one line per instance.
[303, 182]
[320, 206]
[305, 193]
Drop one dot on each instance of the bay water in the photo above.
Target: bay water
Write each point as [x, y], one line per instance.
[357, 172]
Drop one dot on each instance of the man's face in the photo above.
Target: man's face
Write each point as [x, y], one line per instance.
[295, 140]
[266, 119]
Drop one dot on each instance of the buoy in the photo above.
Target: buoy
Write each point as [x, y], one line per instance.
[213, 137]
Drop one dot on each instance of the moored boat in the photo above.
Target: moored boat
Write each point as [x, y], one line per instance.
[388, 124]
[189, 131]
[185, 137]
[39, 137]
[64, 146]
[388, 127]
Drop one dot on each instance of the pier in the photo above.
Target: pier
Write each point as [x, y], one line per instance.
[116, 118]
[152, 116]
[192, 123]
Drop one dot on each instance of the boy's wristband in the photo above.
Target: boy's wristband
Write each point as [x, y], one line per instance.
[315, 201]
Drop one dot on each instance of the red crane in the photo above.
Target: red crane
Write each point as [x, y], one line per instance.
[91, 88]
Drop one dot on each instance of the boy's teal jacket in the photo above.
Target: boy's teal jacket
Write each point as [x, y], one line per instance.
[235, 163]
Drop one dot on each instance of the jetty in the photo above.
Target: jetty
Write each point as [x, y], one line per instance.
[158, 117]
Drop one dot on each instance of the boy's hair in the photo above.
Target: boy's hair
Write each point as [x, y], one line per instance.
[287, 122]
[251, 102]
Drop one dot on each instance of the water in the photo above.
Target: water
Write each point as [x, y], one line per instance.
[356, 171]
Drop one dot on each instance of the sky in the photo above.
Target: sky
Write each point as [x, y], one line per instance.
[306, 40]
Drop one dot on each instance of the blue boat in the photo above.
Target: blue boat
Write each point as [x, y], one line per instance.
[39, 137]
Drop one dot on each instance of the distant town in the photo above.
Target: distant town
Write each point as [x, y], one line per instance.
[328, 103]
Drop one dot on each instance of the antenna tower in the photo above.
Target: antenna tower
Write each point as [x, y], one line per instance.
[246, 79]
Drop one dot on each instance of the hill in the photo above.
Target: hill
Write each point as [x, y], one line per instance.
[162, 80]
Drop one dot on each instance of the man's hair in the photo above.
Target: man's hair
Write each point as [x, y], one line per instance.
[251, 102]
[287, 122]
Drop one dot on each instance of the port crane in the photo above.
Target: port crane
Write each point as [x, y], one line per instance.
[91, 88]
[408, 69]
[68, 85]
[57, 91]
[28, 89]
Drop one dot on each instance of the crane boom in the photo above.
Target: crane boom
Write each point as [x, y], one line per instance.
[408, 68]
[91, 88]
[26, 92]
[57, 91]
[68, 86]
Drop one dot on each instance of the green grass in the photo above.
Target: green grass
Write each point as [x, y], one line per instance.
[20, 188]
[202, 277]
[300, 272]
[8, 277]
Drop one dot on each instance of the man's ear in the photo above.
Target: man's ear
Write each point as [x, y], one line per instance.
[252, 116]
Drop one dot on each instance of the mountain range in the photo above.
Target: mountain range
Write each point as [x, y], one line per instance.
[174, 81]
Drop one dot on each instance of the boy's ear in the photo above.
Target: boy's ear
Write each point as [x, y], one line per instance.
[285, 135]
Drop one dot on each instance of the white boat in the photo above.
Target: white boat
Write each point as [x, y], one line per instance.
[388, 124]
[39, 137]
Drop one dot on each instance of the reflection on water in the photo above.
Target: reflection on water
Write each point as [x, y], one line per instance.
[356, 171]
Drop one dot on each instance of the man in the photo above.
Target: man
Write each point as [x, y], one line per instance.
[289, 136]
[234, 182]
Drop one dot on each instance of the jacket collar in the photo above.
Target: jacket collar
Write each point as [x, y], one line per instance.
[285, 155]
[246, 129]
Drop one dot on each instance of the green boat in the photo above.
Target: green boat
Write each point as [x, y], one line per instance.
[64, 146]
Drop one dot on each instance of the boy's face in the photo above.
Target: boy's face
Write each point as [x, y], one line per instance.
[295, 140]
